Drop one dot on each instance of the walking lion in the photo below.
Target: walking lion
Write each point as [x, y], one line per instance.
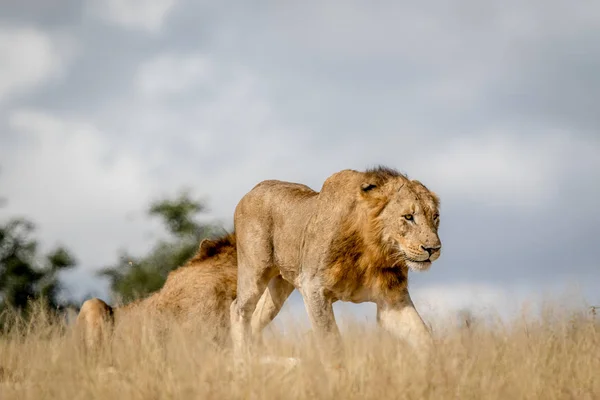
[355, 241]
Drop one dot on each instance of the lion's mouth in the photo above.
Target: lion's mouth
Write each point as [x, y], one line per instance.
[418, 265]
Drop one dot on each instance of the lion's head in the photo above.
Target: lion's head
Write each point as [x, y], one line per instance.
[406, 216]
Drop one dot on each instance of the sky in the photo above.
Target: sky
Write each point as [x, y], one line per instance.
[106, 105]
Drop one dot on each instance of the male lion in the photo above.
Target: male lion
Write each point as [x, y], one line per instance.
[353, 241]
[197, 296]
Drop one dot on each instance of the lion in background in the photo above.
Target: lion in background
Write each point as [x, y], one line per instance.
[196, 296]
[355, 241]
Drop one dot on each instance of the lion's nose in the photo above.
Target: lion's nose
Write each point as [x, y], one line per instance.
[430, 250]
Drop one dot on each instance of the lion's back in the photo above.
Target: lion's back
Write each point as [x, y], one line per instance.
[198, 289]
[273, 196]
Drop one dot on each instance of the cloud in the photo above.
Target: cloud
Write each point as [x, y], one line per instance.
[506, 168]
[521, 169]
[77, 187]
[144, 15]
[168, 74]
[438, 30]
[492, 107]
[216, 119]
[30, 57]
[438, 67]
[219, 141]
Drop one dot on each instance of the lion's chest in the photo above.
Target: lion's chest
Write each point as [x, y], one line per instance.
[359, 282]
[360, 294]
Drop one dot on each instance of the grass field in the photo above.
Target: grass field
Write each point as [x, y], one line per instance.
[555, 356]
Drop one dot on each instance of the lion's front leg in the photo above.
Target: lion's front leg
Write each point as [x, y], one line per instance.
[320, 313]
[402, 320]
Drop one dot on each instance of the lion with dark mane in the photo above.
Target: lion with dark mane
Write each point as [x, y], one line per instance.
[355, 241]
[196, 296]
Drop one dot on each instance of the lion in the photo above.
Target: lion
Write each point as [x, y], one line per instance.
[196, 296]
[353, 241]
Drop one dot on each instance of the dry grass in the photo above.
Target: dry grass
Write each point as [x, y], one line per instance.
[553, 357]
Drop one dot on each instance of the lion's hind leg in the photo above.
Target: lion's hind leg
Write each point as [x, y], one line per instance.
[241, 311]
[270, 303]
[255, 270]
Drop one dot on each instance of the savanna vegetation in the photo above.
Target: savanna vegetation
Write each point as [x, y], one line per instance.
[554, 354]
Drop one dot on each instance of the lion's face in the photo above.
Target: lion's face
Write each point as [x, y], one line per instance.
[410, 222]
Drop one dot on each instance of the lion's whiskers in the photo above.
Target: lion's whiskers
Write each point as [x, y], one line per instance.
[398, 256]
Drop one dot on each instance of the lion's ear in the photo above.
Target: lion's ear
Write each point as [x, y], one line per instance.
[366, 187]
[206, 248]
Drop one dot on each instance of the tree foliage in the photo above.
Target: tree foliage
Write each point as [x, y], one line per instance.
[25, 274]
[133, 277]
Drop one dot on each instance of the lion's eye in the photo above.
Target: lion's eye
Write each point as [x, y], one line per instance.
[408, 217]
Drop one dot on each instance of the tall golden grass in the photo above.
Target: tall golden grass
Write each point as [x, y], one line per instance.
[553, 356]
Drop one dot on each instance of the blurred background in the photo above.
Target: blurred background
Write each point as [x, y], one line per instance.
[130, 129]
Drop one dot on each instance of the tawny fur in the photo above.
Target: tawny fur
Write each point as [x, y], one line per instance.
[346, 237]
[196, 296]
[355, 240]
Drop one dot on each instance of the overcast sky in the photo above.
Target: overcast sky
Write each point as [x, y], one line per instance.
[106, 105]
